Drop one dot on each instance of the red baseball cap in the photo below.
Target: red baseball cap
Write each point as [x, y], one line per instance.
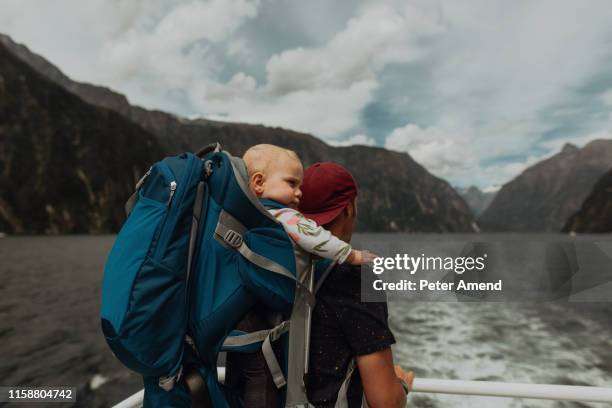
[327, 188]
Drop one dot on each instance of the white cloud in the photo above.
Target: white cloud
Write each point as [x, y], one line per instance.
[606, 97]
[146, 49]
[358, 139]
[324, 112]
[434, 148]
[494, 72]
[239, 47]
[213, 20]
[71, 33]
[494, 188]
[501, 62]
[481, 80]
[174, 51]
[379, 36]
[555, 145]
[526, 54]
[323, 90]
[458, 157]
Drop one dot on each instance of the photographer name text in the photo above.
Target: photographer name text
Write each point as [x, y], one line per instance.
[424, 284]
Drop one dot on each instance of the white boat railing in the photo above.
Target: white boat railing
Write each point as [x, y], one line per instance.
[514, 390]
[480, 388]
[134, 401]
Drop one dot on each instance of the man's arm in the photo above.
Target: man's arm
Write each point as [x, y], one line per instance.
[380, 380]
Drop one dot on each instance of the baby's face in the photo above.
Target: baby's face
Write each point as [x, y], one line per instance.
[282, 182]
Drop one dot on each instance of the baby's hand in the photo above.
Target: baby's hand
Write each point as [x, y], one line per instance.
[361, 257]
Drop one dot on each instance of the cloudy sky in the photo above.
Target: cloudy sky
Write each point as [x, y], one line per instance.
[473, 90]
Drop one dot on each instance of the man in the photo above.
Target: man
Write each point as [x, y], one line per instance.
[344, 329]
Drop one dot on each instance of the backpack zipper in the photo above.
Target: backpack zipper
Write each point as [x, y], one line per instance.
[159, 249]
[172, 191]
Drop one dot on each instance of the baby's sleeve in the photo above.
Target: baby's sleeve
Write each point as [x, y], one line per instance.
[311, 237]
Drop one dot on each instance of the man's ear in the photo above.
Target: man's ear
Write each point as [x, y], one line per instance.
[257, 181]
[351, 209]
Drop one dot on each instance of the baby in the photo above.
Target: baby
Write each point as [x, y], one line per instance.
[276, 174]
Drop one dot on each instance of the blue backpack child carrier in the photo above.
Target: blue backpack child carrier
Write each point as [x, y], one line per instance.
[144, 303]
[197, 251]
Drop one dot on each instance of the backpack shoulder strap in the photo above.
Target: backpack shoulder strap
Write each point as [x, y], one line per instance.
[324, 276]
[271, 204]
[195, 226]
[342, 400]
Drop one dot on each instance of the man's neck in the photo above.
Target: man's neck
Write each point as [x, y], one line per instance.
[338, 227]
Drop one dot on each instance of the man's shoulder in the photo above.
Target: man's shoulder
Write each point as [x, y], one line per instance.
[351, 281]
[343, 280]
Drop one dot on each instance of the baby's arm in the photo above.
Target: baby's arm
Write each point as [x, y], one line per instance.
[317, 240]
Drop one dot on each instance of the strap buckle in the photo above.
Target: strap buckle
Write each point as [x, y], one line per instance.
[208, 168]
[167, 382]
[233, 238]
[279, 330]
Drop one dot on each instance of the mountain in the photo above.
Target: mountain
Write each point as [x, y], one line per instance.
[475, 198]
[545, 195]
[65, 166]
[395, 192]
[595, 215]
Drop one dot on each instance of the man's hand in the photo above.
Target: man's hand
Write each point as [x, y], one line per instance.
[380, 381]
[406, 376]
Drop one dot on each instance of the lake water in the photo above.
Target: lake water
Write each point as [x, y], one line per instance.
[49, 328]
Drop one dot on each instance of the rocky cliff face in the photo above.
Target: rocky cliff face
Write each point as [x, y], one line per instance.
[65, 166]
[595, 214]
[396, 193]
[543, 197]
